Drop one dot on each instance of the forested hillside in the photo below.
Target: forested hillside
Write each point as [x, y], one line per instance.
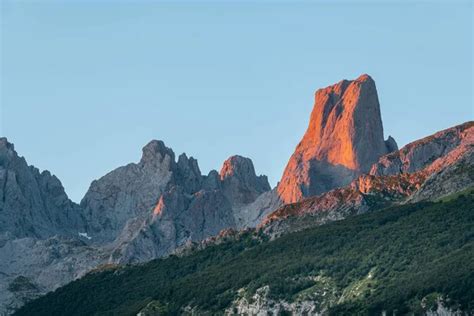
[406, 258]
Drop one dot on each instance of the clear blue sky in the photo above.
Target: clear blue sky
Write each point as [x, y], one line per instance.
[85, 84]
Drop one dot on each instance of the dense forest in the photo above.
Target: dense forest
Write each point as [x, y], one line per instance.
[395, 258]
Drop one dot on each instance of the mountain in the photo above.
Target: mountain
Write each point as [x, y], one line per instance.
[147, 210]
[163, 206]
[160, 186]
[344, 138]
[33, 204]
[427, 169]
[135, 213]
[410, 259]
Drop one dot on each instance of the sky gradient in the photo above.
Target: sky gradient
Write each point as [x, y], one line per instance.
[86, 84]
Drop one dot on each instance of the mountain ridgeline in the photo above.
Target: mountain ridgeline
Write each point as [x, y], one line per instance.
[164, 206]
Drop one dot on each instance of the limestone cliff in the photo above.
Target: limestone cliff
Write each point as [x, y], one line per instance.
[344, 138]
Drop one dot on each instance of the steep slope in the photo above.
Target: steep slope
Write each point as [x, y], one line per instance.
[31, 267]
[239, 181]
[427, 169]
[344, 138]
[127, 196]
[33, 204]
[182, 216]
[409, 259]
[128, 192]
[448, 144]
[39, 227]
[135, 213]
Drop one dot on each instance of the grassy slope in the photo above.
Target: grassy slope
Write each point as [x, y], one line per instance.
[411, 251]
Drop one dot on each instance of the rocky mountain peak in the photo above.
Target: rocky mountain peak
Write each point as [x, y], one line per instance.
[344, 138]
[155, 152]
[7, 150]
[5, 145]
[240, 183]
[236, 166]
[391, 144]
[242, 169]
[189, 173]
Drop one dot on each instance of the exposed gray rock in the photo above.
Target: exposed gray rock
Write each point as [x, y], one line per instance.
[128, 192]
[189, 174]
[239, 181]
[391, 144]
[212, 181]
[179, 218]
[41, 266]
[133, 191]
[184, 215]
[456, 177]
[250, 215]
[33, 204]
[260, 304]
[421, 153]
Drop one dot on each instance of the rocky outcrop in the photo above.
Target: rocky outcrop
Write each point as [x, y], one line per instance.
[147, 210]
[33, 203]
[344, 138]
[42, 265]
[183, 215]
[130, 194]
[443, 145]
[177, 219]
[239, 181]
[428, 169]
[260, 304]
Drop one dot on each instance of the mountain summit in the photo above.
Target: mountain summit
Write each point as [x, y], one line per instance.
[344, 138]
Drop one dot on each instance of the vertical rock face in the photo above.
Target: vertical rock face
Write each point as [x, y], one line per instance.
[33, 204]
[344, 138]
[191, 207]
[167, 199]
[239, 181]
[128, 191]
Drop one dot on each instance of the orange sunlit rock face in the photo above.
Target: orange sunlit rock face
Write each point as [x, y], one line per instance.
[344, 138]
[159, 207]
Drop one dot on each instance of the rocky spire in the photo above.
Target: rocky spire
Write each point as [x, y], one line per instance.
[189, 173]
[155, 152]
[240, 182]
[344, 138]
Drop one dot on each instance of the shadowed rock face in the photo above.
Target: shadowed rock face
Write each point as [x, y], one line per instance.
[128, 191]
[33, 204]
[239, 181]
[344, 138]
[146, 210]
[191, 208]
